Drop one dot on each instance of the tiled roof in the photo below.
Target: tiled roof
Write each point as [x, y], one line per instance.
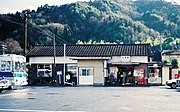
[93, 50]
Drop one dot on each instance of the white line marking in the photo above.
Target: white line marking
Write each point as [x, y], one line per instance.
[21, 110]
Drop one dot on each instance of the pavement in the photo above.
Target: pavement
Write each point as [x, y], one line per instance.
[90, 99]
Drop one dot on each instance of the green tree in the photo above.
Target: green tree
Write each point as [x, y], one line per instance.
[174, 63]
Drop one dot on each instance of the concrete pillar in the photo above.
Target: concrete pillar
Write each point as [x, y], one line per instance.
[165, 74]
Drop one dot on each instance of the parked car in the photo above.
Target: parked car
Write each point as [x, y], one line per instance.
[5, 85]
[173, 83]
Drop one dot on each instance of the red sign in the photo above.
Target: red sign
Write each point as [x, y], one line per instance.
[177, 76]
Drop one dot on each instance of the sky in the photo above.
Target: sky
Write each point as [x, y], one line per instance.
[12, 6]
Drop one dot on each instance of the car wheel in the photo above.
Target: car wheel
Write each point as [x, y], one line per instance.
[10, 88]
[1, 90]
[173, 85]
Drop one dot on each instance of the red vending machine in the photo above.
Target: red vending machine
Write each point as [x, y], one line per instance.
[141, 80]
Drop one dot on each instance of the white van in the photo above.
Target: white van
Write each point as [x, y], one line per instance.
[173, 83]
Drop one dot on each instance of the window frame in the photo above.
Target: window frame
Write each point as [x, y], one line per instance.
[89, 71]
[42, 68]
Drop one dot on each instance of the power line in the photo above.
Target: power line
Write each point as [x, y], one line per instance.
[8, 20]
[41, 30]
[51, 34]
[21, 24]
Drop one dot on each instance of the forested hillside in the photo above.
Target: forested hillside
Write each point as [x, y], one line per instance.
[101, 21]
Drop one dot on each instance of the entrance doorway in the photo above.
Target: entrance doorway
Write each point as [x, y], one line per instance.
[125, 76]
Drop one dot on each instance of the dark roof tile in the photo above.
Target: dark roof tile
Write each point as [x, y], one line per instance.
[93, 50]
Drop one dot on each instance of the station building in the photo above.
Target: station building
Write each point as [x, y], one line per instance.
[109, 64]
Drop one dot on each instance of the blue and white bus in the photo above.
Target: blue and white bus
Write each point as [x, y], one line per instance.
[13, 68]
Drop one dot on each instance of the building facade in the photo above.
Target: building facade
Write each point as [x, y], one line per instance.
[111, 64]
[168, 56]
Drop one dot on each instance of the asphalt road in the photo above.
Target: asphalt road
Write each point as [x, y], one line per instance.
[96, 99]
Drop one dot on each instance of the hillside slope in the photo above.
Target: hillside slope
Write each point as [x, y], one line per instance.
[120, 21]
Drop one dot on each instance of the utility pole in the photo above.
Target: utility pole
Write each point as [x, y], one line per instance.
[161, 49]
[64, 64]
[161, 43]
[54, 68]
[25, 34]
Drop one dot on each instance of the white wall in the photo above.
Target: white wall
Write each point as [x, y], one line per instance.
[132, 59]
[139, 59]
[59, 60]
[97, 65]
[165, 73]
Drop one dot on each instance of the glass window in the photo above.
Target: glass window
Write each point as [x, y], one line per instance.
[155, 71]
[18, 75]
[8, 65]
[47, 67]
[86, 71]
[72, 68]
[13, 68]
[155, 74]
[83, 72]
[40, 73]
[42, 70]
[24, 75]
[17, 66]
[22, 66]
[41, 66]
[3, 65]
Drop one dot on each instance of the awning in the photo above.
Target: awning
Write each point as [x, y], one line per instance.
[85, 58]
[124, 63]
[155, 64]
